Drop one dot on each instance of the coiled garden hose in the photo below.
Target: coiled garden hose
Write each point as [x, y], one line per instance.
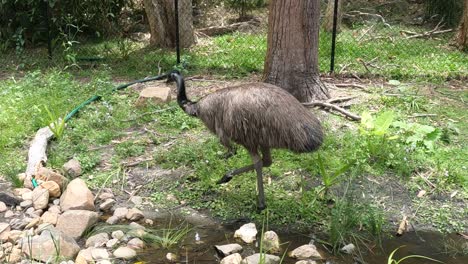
[120, 87]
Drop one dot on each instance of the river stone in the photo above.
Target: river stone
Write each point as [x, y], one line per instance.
[255, 259]
[55, 209]
[134, 214]
[4, 231]
[136, 243]
[136, 200]
[14, 235]
[9, 214]
[348, 249]
[14, 256]
[72, 168]
[226, 250]
[45, 174]
[172, 257]
[107, 204]
[37, 246]
[105, 196]
[84, 256]
[40, 198]
[155, 94]
[247, 233]
[52, 187]
[20, 191]
[99, 253]
[77, 196]
[119, 234]
[27, 196]
[49, 217]
[235, 258]
[75, 222]
[3, 207]
[112, 220]
[306, 261]
[104, 261]
[120, 212]
[306, 252]
[271, 242]
[97, 240]
[112, 243]
[26, 204]
[124, 253]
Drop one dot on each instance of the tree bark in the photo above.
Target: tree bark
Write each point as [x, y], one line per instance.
[462, 36]
[327, 24]
[292, 53]
[161, 18]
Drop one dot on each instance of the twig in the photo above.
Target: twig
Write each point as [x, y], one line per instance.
[340, 99]
[362, 87]
[326, 105]
[436, 30]
[422, 115]
[365, 33]
[135, 163]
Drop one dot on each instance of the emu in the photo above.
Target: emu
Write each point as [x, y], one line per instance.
[258, 116]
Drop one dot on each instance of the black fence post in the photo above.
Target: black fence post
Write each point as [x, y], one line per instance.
[335, 21]
[177, 40]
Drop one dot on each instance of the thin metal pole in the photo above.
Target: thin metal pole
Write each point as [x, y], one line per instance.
[47, 21]
[176, 4]
[335, 21]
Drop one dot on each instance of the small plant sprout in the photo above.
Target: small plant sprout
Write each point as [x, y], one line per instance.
[391, 259]
[55, 123]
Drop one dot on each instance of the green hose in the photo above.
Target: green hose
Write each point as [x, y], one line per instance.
[120, 87]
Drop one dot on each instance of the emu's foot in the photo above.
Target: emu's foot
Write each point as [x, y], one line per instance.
[226, 178]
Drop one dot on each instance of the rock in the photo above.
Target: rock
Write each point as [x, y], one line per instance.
[119, 234]
[271, 242]
[112, 243]
[307, 261]
[50, 218]
[20, 191]
[4, 232]
[97, 240]
[155, 94]
[105, 196]
[56, 202]
[235, 258]
[124, 253]
[136, 200]
[3, 207]
[226, 250]
[120, 212]
[45, 226]
[75, 222]
[45, 174]
[104, 261]
[47, 242]
[107, 204]
[247, 233]
[134, 214]
[112, 220]
[348, 249]
[26, 203]
[255, 259]
[77, 196]
[306, 252]
[14, 235]
[40, 198]
[72, 168]
[52, 187]
[171, 257]
[84, 257]
[136, 243]
[149, 222]
[135, 226]
[27, 196]
[54, 209]
[9, 214]
[33, 223]
[14, 256]
[99, 253]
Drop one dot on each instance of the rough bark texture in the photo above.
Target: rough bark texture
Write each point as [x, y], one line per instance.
[327, 24]
[161, 19]
[292, 53]
[462, 36]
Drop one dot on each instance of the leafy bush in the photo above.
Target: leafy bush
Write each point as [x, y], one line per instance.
[243, 6]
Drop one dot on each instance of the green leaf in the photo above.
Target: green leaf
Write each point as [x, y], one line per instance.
[367, 121]
[383, 122]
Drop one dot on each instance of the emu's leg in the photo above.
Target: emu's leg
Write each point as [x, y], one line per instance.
[258, 164]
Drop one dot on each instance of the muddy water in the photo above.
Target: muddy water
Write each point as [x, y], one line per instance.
[198, 247]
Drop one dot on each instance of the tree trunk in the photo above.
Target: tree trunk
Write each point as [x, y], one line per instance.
[462, 36]
[327, 24]
[292, 53]
[161, 18]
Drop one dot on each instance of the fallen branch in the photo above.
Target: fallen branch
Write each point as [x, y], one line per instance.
[340, 99]
[221, 30]
[422, 115]
[435, 31]
[326, 106]
[359, 13]
[355, 85]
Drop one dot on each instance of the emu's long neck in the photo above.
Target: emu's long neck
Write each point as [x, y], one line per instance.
[184, 103]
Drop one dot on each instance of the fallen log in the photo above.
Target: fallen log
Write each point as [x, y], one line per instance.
[221, 30]
[37, 153]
